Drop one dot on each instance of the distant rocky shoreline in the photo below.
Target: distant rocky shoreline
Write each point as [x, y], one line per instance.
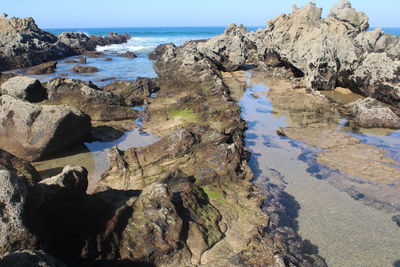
[188, 199]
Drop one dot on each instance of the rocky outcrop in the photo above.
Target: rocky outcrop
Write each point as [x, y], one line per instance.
[370, 113]
[29, 258]
[134, 93]
[45, 68]
[230, 50]
[19, 166]
[25, 45]
[34, 132]
[159, 51]
[127, 55]
[84, 69]
[25, 88]
[99, 104]
[14, 234]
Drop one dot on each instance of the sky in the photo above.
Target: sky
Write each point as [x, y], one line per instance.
[133, 13]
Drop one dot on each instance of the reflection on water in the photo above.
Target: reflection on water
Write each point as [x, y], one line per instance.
[93, 156]
[346, 231]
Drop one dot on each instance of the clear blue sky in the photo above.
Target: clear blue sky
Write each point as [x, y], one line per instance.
[131, 13]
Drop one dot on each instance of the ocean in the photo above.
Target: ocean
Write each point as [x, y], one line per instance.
[143, 41]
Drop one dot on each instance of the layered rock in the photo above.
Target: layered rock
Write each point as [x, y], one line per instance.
[134, 93]
[100, 105]
[370, 113]
[25, 88]
[45, 68]
[84, 69]
[33, 132]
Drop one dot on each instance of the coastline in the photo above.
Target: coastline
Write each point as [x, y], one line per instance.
[194, 194]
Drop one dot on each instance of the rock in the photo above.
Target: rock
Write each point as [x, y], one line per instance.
[70, 61]
[229, 50]
[396, 219]
[100, 105]
[159, 51]
[154, 227]
[127, 55]
[377, 76]
[105, 134]
[19, 166]
[25, 88]
[76, 41]
[45, 68]
[344, 12]
[14, 235]
[35, 132]
[112, 38]
[134, 93]
[84, 69]
[108, 59]
[93, 54]
[29, 258]
[5, 77]
[24, 44]
[377, 41]
[370, 113]
[55, 211]
[82, 60]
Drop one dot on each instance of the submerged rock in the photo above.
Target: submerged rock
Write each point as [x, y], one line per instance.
[34, 132]
[25, 88]
[84, 69]
[127, 55]
[370, 113]
[45, 68]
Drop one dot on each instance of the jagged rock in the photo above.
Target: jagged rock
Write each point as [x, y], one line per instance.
[154, 227]
[112, 38]
[14, 235]
[74, 40]
[84, 69]
[45, 68]
[370, 113]
[159, 51]
[127, 55]
[24, 44]
[377, 41]
[25, 88]
[100, 105]
[229, 50]
[134, 93]
[29, 258]
[377, 76]
[34, 132]
[21, 167]
[344, 12]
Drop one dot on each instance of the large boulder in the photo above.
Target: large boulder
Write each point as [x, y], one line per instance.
[370, 113]
[19, 166]
[344, 12]
[34, 132]
[100, 105]
[25, 88]
[14, 234]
